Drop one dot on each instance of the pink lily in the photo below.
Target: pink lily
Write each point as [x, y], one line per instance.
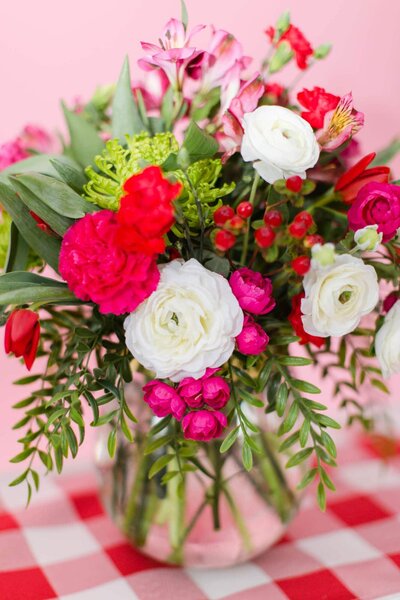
[225, 53]
[174, 56]
[153, 88]
[245, 101]
[340, 124]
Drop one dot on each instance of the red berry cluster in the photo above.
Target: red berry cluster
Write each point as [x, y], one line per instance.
[302, 222]
[230, 224]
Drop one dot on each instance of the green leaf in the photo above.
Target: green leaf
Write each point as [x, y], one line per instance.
[290, 420]
[322, 51]
[19, 479]
[281, 399]
[22, 288]
[57, 195]
[329, 443]
[18, 251]
[321, 496]
[229, 440]
[380, 385]
[184, 14]
[282, 55]
[158, 443]
[39, 164]
[264, 375]
[84, 139]
[125, 114]
[387, 154]
[23, 455]
[46, 246]
[295, 361]
[290, 441]
[70, 173]
[327, 421]
[307, 479]
[160, 464]
[198, 143]
[304, 432]
[327, 480]
[299, 457]
[247, 457]
[305, 386]
[112, 442]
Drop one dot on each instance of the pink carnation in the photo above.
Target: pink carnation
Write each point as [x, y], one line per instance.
[377, 204]
[203, 425]
[12, 152]
[253, 291]
[96, 268]
[163, 400]
[252, 339]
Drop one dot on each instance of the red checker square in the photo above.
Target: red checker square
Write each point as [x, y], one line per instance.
[85, 572]
[315, 586]
[7, 521]
[87, 505]
[29, 584]
[358, 510]
[395, 558]
[128, 560]
[166, 584]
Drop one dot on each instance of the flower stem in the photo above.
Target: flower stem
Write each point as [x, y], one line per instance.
[247, 234]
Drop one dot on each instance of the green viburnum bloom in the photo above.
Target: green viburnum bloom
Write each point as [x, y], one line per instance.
[117, 163]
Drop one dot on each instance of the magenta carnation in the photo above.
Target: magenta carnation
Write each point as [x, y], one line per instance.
[252, 340]
[163, 400]
[96, 268]
[252, 291]
[203, 425]
[377, 204]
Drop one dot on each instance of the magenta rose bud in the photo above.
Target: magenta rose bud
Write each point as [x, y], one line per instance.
[252, 291]
[203, 425]
[252, 339]
[389, 301]
[163, 400]
[190, 390]
[216, 392]
[376, 204]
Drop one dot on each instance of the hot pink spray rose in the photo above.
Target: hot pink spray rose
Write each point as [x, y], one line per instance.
[203, 425]
[12, 152]
[377, 204]
[163, 400]
[209, 389]
[96, 268]
[252, 339]
[252, 291]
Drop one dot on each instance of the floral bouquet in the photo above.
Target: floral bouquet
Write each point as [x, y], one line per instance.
[165, 268]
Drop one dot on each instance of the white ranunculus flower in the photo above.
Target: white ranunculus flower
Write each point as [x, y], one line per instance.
[281, 143]
[338, 295]
[368, 238]
[189, 323]
[387, 342]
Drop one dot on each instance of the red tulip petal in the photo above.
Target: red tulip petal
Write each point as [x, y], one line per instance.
[355, 171]
[30, 354]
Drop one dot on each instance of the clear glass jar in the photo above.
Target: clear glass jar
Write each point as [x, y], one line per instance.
[215, 516]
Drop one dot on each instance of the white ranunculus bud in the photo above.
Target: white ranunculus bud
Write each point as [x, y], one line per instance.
[189, 323]
[387, 342]
[338, 295]
[368, 238]
[324, 254]
[280, 142]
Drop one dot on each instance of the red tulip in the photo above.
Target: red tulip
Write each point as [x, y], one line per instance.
[22, 335]
[355, 178]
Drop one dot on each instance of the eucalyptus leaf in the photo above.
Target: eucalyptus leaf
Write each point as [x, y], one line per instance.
[125, 113]
[198, 143]
[18, 251]
[70, 173]
[387, 154]
[85, 142]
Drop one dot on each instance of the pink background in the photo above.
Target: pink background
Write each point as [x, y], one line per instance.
[51, 50]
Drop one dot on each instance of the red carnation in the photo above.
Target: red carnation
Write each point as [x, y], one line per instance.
[146, 212]
[297, 324]
[22, 335]
[298, 43]
[355, 178]
[317, 102]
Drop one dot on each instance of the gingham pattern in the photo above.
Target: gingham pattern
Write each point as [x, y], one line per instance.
[66, 547]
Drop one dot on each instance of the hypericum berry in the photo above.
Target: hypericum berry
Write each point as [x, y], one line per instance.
[301, 265]
[273, 218]
[294, 184]
[264, 236]
[244, 209]
[297, 229]
[305, 218]
[224, 240]
[311, 240]
[223, 214]
[236, 223]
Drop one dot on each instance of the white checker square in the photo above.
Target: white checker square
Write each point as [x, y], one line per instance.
[336, 548]
[370, 475]
[60, 542]
[220, 583]
[117, 590]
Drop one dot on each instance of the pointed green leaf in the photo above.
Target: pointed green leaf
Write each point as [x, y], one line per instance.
[84, 139]
[125, 113]
[18, 251]
[198, 143]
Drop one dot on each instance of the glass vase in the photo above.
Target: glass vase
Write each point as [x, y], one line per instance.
[207, 512]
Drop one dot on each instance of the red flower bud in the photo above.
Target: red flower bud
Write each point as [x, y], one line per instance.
[294, 184]
[224, 240]
[223, 214]
[245, 209]
[305, 218]
[22, 335]
[311, 240]
[301, 265]
[273, 218]
[297, 230]
[264, 237]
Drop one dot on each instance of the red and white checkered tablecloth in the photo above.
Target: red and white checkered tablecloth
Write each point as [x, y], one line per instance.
[66, 547]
